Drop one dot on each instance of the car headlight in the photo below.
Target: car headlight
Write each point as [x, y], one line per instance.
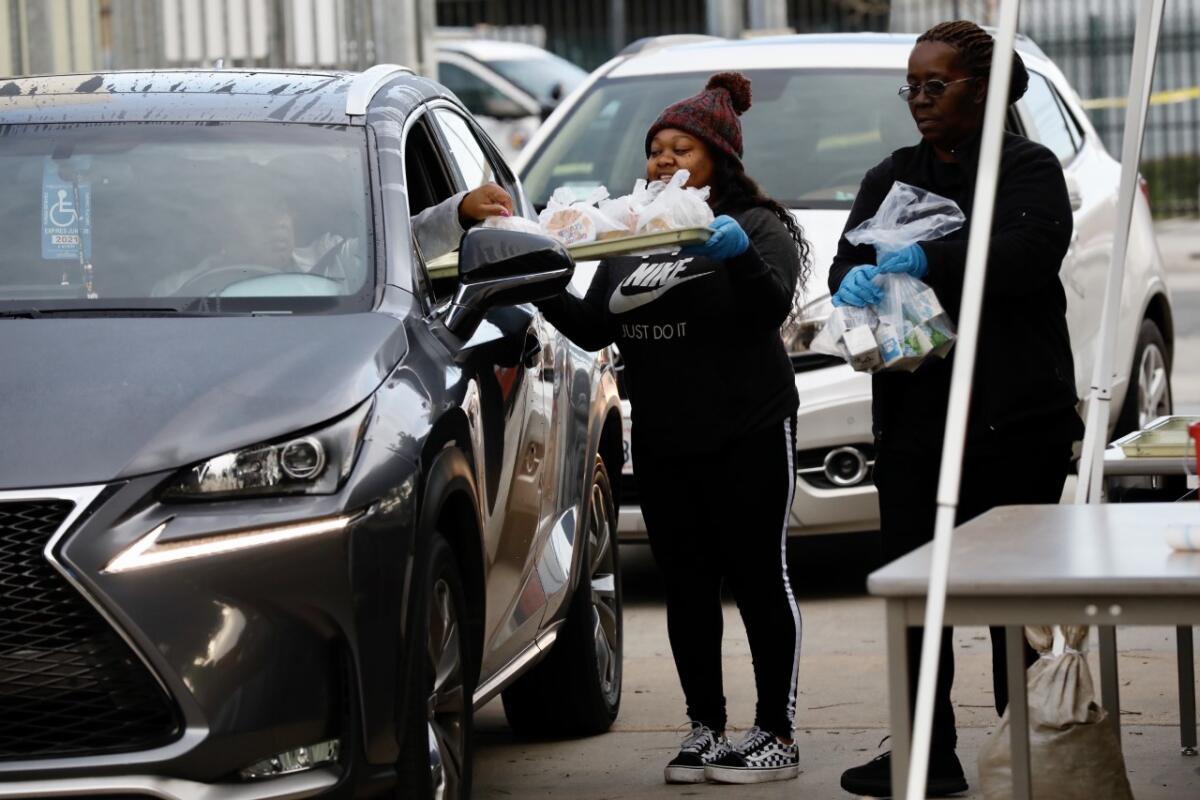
[800, 332]
[315, 462]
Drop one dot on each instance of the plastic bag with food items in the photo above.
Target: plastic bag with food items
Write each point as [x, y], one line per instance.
[909, 325]
[573, 221]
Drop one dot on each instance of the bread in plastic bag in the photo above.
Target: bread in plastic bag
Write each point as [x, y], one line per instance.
[624, 210]
[1074, 752]
[675, 206]
[573, 221]
[519, 224]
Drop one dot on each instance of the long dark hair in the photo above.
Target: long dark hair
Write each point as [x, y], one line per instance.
[735, 190]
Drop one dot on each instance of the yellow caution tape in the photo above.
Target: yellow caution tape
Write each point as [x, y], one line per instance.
[1169, 97]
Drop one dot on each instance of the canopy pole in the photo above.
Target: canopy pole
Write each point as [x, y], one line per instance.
[1089, 487]
[960, 390]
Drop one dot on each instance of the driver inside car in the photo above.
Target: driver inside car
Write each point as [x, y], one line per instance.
[261, 233]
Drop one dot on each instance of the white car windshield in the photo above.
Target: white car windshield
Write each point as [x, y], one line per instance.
[199, 217]
[548, 79]
[810, 135]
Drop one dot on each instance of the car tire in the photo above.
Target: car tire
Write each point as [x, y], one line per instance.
[1148, 393]
[576, 689]
[435, 759]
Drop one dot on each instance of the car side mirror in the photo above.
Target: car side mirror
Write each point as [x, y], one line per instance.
[499, 107]
[497, 267]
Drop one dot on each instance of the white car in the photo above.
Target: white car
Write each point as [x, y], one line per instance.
[509, 87]
[825, 111]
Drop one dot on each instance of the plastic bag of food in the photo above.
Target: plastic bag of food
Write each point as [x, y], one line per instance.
[519, 224]
[675, 206]
[1074, 752]
[906, 216]
[573, 221]
[909, 324]
[624, 210]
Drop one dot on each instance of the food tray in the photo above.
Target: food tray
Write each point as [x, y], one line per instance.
[1166, 437]
[447, 265]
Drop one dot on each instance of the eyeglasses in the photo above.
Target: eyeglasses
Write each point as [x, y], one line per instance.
[935, 88]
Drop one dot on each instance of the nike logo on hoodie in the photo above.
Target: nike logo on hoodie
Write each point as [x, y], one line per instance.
[649, 282]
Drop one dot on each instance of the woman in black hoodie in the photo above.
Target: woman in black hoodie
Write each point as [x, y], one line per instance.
[1023, 417]
[714, 403]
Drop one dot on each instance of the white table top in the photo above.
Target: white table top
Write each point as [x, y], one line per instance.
[1117, 549]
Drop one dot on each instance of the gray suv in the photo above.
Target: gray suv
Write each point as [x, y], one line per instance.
[278, 510]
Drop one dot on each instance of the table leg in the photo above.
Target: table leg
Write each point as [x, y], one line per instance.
[1018, 712]
[1110, 693]
[898, 702]
[1187, 690]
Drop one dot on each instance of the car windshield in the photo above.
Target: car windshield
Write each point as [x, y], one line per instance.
[198, 217]
[541, 76]
[809, 136]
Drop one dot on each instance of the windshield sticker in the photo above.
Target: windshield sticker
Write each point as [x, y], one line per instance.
[66, 210]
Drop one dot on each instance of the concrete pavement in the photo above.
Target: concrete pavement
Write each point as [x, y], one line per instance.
[841, 714]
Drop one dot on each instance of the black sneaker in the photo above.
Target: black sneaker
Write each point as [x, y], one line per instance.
[701, 746]
[759, 757]
[874, 779]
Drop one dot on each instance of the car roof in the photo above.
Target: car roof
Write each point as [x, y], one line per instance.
[797, 51]
[190, 96]
[484, 49]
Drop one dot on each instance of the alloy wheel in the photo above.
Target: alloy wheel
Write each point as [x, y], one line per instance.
[1154, 392]
[447, 702]
[606, 625]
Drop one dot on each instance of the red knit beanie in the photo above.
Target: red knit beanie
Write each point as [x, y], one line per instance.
[711, 115]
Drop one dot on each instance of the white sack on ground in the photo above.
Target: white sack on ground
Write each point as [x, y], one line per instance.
[1074, 752]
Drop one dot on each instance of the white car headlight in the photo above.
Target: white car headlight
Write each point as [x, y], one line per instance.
[799, 333]
[316, 462]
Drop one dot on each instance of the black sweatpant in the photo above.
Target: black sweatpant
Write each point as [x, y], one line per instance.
[1018, 473]
[723, 516]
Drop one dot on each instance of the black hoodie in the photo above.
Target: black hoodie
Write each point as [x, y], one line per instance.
[1024, 381]
[704, 361]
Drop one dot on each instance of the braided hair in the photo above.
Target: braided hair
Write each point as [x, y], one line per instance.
[974, 46]
[738, 191]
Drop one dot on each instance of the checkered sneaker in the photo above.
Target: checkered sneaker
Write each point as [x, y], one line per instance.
[700, 747]
[759, 757]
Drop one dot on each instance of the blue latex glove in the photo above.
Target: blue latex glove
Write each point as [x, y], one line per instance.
[911, 260]
[858, 288]
[728, 240]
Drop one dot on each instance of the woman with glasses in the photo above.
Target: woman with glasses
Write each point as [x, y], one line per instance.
[1022, 420]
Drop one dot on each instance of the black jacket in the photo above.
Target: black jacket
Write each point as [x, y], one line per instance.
[1024, 371]
[704, 361]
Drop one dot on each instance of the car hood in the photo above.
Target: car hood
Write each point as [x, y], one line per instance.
[93, 400]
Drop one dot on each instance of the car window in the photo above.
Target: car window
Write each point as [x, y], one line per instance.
[548, 78]
[810, 136]
[1048, 125]
[466, 154]
[206, 217]
[479, 96]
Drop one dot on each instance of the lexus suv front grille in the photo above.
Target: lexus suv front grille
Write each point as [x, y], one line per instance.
[69, 685]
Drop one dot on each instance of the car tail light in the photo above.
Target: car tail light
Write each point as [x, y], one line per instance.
[1145, 187]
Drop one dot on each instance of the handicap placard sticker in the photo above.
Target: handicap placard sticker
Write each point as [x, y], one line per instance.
[66, 210]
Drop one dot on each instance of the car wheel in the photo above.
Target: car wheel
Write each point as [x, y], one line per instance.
[1148, 394]
[576, 689]
[436, 758]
